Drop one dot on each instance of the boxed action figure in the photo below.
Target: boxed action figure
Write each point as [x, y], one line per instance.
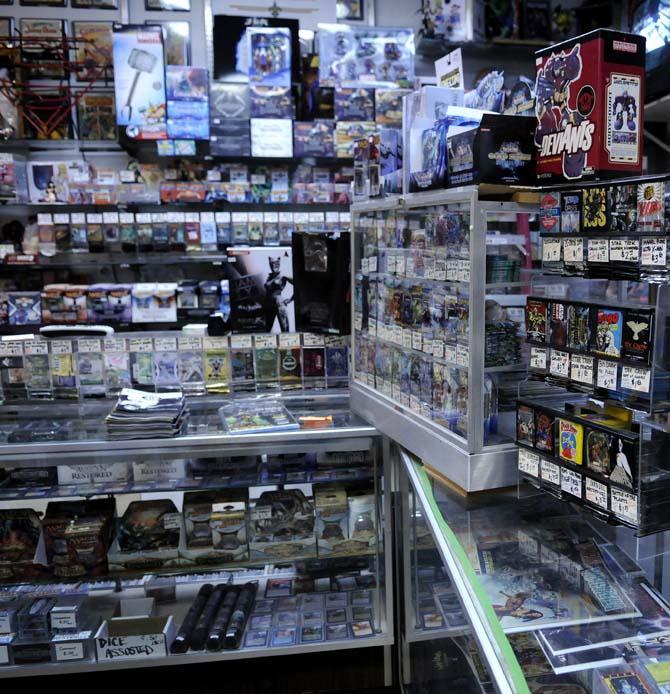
[354, 103]
[590, 96]
[314, 138]
[271, 102]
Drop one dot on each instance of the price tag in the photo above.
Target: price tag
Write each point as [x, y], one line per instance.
[398, 334]
[551, 250]
[598, 251]
[140, 344]
[66, 620]
[571, 482]
[172, 521]
[289, 340]
[452, 270]
[11, 348]
[529, 462]
[440, 268]
[623, 504]
[358, 321]
[429, 265]
[61, 347]
[463, 270]
[654, 252]
[417, 340]
[114, 344]
[607, 374]
[240, 342]
[400, 264]
[624, 250]
[262, 341]
[581, 369]
[450, 353]
[438, 348]
[165, 344]
[634, 378]
[62, 218]
[36, 347]
[407, 339]
[215, 342]
[190, 343]
[596, 493]
[312, 340]
[559, 364]
[573, 250]
[538, 358]
[462, 355]
[365, 266]
[550, 472]
[372, 264]
[89, 346]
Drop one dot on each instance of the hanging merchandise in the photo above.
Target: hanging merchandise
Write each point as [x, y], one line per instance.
[269, 56]
[139, 81]
[187, 102]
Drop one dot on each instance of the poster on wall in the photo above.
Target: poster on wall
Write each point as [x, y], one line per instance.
[139, 81]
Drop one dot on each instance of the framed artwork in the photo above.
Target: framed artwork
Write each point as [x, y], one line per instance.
[93, 48]
[176, 42]
[96, 4]
[355, 11]
[43, 3]
[44, 58]
[168, 5]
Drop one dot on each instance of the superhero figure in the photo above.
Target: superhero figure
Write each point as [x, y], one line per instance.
[624, 104]
[552, 91]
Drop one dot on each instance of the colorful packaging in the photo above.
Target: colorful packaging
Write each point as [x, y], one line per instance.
[607, 336]
[570, 441]
[590, 96]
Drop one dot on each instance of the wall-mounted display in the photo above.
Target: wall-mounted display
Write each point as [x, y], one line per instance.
[93, 49]
[177, 42]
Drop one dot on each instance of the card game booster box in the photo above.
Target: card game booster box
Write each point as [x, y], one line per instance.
[589, 106]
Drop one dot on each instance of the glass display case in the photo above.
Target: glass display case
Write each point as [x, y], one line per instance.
[201, 547]
[439, 286]
[553, 599]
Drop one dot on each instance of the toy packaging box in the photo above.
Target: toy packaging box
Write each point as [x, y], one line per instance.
[590, 96]
[314, 138]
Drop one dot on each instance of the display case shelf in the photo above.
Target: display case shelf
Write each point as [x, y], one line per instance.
[429, 253]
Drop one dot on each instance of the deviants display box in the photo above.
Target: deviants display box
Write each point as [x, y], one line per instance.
[589, 107]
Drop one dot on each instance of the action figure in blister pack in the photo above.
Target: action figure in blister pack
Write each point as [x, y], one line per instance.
[552, 93]
[624, 104]
[488, 94]
[275, 305]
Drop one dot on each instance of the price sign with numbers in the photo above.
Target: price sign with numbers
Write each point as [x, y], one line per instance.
[550, 472]
[538, 358]
[573, 250]
[596, 493]
[551, 250]
[598, 251]
[571, 482]
[581, 369]
[654, 252]
[607, 374]
[559, 364]
[623, 504]
[634, 378]
[529, 462]
[624, 250]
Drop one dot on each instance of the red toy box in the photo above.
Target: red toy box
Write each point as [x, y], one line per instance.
[589, 106]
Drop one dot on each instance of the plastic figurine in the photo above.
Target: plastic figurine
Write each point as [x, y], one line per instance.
[624, 103]
[275, 305]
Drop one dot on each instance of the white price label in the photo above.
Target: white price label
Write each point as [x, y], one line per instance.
[463, 270]
[450, 353]
[654, 252]
[623, 504]
[438, 348]
[190, 343]
[634, 378]
[607, 374]
[398, 334]
[390, 263]
[165, 344]
[289, 340]
[559, 364]
[452, 270]
[69, 651]
[140, 344]
[551, 250]
[36, 347]
[417, 340]
[172, 521]
[114, 344]
[66, 620]
[89, 346]
[5, 626]
[624, 250]
[581, 369]
[264, 341]
[372, 264]
[550, 472]
[598, 251]
[365, 266]
[215, 343]
[240, 342]
[11, 348]
[429, 265]
[573, 250]
[312, 340]
[462, 355]
[538, 358]
[596, 493]
[61, 347]
[571, 482]
[407, 339]
[440, 268]
[529, 462]
[400, 265]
